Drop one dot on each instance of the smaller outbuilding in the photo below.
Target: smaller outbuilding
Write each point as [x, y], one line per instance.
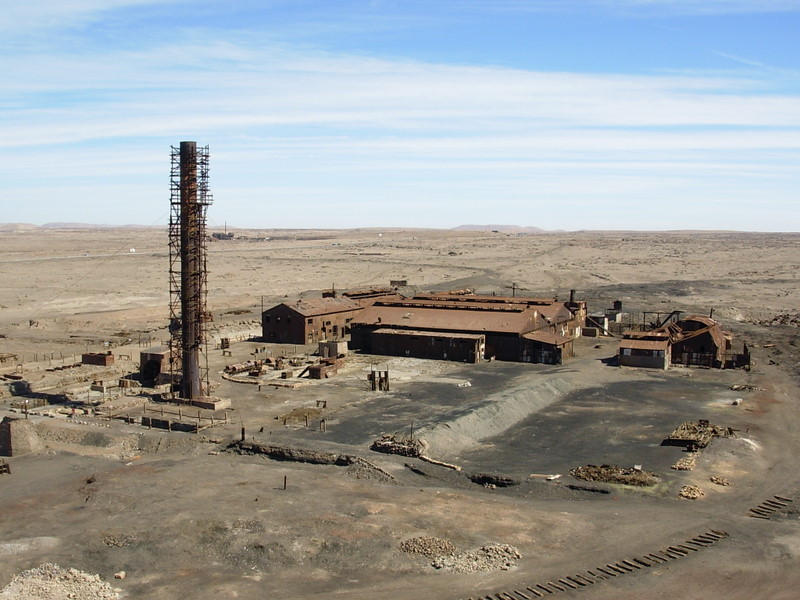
[691, 341]
[546, 347]
[653, 352]
[153, 364]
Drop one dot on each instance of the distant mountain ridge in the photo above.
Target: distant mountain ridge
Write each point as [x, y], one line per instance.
[501, 228]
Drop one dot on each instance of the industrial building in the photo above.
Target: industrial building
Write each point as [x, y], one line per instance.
[318, 319]
[309, 321]
[690, 341]
[468, 327]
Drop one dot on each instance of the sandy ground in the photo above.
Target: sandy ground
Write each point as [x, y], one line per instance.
[183, 516]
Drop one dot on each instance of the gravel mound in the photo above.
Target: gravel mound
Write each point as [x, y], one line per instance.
[50, 582]
[492, 557]
[431, 547]
[691, 492]
[687, 463]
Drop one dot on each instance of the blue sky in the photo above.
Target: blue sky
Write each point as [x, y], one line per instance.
[560, 114]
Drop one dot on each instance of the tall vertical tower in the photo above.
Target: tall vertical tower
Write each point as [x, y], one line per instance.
[188, 274]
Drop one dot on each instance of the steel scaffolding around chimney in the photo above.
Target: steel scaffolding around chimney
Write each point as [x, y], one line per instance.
[188, 274]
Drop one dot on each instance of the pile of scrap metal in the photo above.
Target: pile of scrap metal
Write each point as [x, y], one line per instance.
[405, 446]
[694, 436]
[251, 366]
[615, 474]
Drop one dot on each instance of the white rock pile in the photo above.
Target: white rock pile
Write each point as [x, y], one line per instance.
[431, 547]
[492, 557]
[50, 582]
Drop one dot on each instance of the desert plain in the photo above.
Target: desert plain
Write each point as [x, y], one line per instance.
[186, 515]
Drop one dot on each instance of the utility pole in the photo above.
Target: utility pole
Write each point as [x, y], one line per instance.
[514, 287]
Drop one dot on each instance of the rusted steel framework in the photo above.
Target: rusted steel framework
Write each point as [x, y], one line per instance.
[188, 274]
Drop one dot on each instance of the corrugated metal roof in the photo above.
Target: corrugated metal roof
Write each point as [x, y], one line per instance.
[445, 318]
[555, 313]
[468, 298]
[633, 344]
[323, 306]
[442, 334]
[546, 337]
[439, 303]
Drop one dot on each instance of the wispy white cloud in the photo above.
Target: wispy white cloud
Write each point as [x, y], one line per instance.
[92, 126]
[226, 87]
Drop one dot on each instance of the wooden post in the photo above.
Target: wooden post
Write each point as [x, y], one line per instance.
[284, 482]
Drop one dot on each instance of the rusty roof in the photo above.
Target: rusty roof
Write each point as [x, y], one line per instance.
[422, 302]
[369, 293]
[638, 344]
[448, 318]
[323, 306]
[525, 300]
[646, 335]
[547, 337]
[443, 334]
[555, 313]
[678, 330]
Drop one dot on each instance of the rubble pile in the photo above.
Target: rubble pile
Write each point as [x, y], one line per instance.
[695, 436]
[691, 492]
[792, 320]
[50, 582]
[615, 474]
[719, 480]
[687, 463]
[492, 557]
[745, 387]
[390, 444]
[430, 547]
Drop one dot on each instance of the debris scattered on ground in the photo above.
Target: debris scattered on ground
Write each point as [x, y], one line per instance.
[443, 555]
[391, 444]
[492, 557]
[493, 481]
[696, 435]
[719, 480]
[790, 319]
[615, 474]
[431, 547]
[691, 492]
[50, 582]
[687, 463]
[743, 387]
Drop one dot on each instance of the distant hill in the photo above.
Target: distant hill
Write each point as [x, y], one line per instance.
[501, 228]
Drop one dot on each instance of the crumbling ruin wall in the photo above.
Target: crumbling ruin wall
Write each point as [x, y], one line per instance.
[19, 437]
[491, 416]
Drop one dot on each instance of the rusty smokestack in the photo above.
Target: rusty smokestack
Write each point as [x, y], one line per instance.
[188, 274]
[191, 274]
